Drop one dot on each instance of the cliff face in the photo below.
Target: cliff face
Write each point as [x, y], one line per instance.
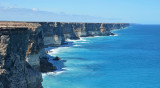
[35, 45]
[52, 34]
[22, 43]
[55, 33]
[15, 72]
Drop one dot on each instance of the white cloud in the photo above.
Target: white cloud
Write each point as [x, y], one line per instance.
[35, 9]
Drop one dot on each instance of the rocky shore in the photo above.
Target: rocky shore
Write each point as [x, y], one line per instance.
[22, 53]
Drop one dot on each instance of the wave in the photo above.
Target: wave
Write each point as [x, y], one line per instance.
[54, 51]
[81, 39]
[83, 42]
[76, 45]
[114, 35]
[71, 66]
[97, 36]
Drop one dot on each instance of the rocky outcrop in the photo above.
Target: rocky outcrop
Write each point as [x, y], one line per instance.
[46, 66]
[49, 63]
[15, 72]
[22, 44]
[57, 58]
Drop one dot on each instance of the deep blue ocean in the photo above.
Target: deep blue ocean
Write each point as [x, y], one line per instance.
[129, 60]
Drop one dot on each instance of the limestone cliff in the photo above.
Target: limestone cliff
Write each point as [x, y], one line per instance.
[55, 33]
[22, 44]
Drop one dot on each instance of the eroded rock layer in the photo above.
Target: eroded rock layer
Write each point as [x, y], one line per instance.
[15, 72]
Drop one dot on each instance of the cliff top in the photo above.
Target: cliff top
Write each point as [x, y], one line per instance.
[33, 22]
[12, 24]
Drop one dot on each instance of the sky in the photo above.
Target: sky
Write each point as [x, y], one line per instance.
[126, 11]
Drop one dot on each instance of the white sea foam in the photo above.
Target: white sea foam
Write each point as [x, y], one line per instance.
[53, 73]
[97, 36]
[81, 39]
[54, 51]
[76, 45]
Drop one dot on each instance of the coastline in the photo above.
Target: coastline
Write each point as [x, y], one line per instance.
[69, 68]
[53, 51]
[36, 37]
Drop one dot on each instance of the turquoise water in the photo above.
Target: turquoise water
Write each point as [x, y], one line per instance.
[129, 60]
